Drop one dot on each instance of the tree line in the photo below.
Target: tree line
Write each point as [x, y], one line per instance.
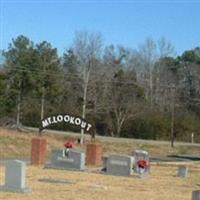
[148, 92]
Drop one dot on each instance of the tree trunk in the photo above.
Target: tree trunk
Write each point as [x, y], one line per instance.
[18, 109]
[42, 104]
[172, 115]
[86, 79]
[120, 121]
[19, 106]
[118, 129]
[151, 88]
[172, 129]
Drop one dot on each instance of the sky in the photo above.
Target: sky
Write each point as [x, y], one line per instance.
[126, 23]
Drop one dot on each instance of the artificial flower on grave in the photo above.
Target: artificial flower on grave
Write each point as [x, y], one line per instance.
[144, 164]
[69, 144]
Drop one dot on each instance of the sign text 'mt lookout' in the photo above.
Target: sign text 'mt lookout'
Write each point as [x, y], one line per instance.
[66, 118]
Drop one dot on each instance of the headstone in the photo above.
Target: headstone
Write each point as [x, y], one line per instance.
[196, 195]
[74, 160]
[183, 171]
[142, 162]
[15, 176]
[119, 165]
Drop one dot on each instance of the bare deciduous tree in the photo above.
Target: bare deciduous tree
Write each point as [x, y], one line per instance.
[87, 48]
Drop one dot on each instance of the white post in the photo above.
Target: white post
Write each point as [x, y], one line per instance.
[192, 137]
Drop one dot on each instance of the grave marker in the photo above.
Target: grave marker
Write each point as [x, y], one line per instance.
[15, 177]
[196, 195]
[75, 160]
[183, 171]
[119, 165]
[142, 163]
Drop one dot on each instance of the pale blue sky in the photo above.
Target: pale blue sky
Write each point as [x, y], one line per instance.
[125, 22]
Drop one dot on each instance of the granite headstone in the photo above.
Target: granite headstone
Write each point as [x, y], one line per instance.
[119, 165]
[74, 160]
[196, 195]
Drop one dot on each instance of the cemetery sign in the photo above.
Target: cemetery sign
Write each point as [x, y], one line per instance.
[67, 118]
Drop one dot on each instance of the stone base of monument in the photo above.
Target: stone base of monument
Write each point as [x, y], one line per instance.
[15, 177]
[75, 160]
[119, 165]
[10, 189]
[38, 151]
[94, 153]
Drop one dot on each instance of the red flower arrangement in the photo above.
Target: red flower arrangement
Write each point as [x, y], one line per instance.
[69, 144]
[144, 164]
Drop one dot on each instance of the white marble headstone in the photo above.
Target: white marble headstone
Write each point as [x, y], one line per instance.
[15, 176]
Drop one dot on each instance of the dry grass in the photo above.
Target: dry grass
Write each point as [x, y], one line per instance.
[15, 144]
[161, 184]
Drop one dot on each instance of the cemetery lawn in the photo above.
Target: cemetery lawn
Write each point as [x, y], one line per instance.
[161, 184]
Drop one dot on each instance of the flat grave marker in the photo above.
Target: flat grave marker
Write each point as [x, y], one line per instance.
[61, 181]
[183, 171]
